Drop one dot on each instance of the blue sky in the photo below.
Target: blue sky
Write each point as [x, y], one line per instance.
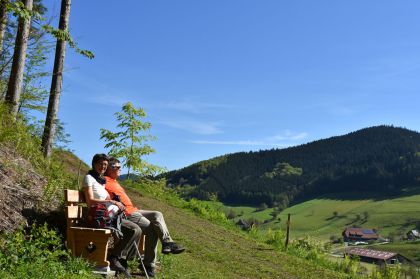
[219, 77]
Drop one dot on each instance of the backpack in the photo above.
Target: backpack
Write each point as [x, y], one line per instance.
[101, 216]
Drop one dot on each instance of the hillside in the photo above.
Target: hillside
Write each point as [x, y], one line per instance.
[215, 252]
[328, 215]
[23, 189]
[382, 161]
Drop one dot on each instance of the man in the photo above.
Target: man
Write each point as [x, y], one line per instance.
[94, 190]
[152, 223]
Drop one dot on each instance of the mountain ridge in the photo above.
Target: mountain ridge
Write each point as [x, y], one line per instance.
[376, 159]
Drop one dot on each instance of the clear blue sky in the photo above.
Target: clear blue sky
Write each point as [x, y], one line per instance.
[219, 77]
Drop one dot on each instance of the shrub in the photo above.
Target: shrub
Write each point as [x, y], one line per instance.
[38, 254]
[276, 238]
[206, 211]
[387, 272]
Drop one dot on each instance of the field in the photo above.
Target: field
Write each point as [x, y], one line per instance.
[329, 215]
[214, 251]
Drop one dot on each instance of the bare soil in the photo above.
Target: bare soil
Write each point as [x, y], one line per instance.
[21, 191]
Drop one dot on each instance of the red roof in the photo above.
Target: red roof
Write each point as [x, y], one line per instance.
[360, 233]
[375, 254]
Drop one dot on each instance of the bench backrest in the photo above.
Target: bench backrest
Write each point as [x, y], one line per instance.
[75, 207]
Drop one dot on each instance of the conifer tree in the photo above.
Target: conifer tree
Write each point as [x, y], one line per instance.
[19, 56]
[3, 22]
[57, 81]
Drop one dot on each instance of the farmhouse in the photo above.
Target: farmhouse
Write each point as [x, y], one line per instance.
[376, 257]
[413, 235]
[242, 224]
[359, 234]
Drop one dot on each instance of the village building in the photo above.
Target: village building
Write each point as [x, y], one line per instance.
[243, 225]
[359, 234]
[375, 256]
[413, 235]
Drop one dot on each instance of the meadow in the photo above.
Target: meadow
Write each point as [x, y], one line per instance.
[328, 215]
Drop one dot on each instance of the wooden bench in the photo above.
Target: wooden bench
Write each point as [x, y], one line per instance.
[89, 243]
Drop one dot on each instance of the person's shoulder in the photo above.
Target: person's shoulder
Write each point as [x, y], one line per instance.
[109, 181]
[88, 180]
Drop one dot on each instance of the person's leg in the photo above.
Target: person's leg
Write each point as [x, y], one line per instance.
[159, 225]
[151, 237]
[131, 233]
[161, 229]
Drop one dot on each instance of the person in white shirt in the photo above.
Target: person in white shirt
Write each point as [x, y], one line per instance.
[94, 190]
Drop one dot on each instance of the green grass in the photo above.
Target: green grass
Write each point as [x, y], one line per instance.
[39, 253]
[390, 216]
[316, 217]
[215, 251]
[242, 212]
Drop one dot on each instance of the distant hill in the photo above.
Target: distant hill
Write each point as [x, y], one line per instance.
[72, 164]
[381, 161]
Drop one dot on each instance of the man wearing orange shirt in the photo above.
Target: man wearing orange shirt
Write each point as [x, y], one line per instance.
[152, 223]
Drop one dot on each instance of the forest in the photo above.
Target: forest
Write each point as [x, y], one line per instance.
[378, 161]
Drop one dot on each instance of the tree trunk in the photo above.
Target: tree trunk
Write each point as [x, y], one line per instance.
[3, 23]
[57, 82]
[18, 65]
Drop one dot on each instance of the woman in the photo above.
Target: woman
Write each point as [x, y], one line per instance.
[94, 190]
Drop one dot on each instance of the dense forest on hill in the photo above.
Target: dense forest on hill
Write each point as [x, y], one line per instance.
[378, 161]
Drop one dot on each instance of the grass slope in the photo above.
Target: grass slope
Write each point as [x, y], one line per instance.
[389, 216]
[316, 217]
[215, 252]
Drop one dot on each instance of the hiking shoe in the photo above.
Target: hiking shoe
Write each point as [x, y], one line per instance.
[149, 270]
[172, 247]
[115, 265]
[124, 263]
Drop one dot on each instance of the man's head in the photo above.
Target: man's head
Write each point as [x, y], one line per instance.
[100, 163]
[114, 168]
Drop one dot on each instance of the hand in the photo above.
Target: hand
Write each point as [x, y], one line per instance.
[120, 206]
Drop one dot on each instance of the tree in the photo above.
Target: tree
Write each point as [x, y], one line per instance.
[130, 143]
[34, 94]
[57, 81]
[19, 56]
[263, 206]
[274, 213]
[3, 22]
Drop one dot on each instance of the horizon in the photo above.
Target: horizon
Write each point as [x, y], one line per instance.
[293, 146]
[217, 78]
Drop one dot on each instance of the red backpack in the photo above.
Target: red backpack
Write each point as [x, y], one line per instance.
[99, 216]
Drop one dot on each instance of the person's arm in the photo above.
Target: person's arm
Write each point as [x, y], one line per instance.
[117, 203]
[90, 198]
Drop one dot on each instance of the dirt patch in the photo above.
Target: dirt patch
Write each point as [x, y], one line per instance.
[21, 191]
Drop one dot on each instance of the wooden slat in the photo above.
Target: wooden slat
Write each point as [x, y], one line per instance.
[73, 212]
[72, 196]
[91, 230]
